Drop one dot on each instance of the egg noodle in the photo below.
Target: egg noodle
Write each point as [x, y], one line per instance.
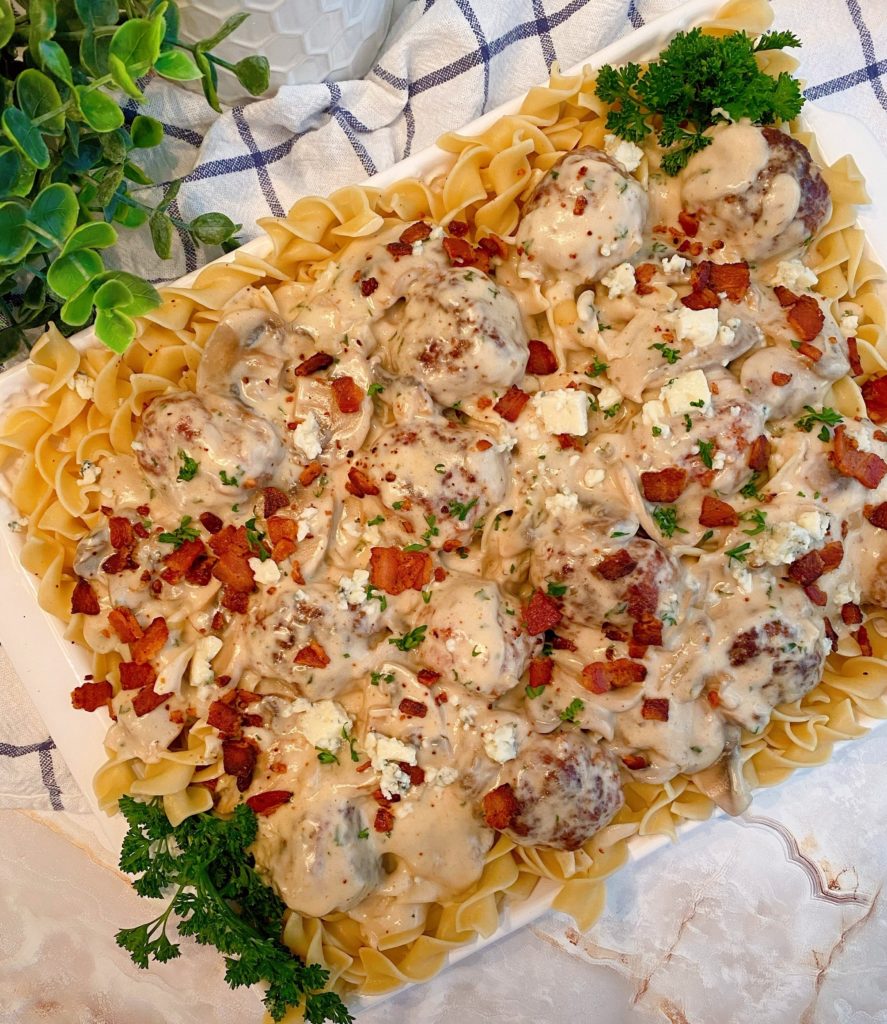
[89, 407]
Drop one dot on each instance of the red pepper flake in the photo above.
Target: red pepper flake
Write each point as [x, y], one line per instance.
[91, 696]
[83, 599]
[368, 285]
[348, 394]
[715, 512]
[512, 403]
[500, 807]
[861, 636]
[270, 800]
[313, 655]
[412, 708]
[655, 709]
[541, 613]
[667, 485]
[314, 364]
[542, 360]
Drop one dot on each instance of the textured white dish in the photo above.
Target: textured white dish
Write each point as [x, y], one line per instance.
[50, 666]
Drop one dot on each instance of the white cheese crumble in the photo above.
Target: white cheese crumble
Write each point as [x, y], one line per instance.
[697, 326]
[564, 411]
[382, 748]
[393, 780]
[83, 385]
[304, 527]
[205, 650]
[626, 153]
[594, 477]
[783, 543]
[353, 589]
[685, 393]
[792, 274]
[727, 331]
[675, 264]
[718, 461]
[619, 281]
[267, 573]
[501, 743]
[89, 472]
[307, 436]
[440, 777]
[849, 324]
[815, 523]
[321, 723]
[563, 501]
[506, 445]
[653, 414]
[847, 592]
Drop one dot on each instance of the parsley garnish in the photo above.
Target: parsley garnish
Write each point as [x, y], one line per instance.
[739, 552]
[596, 368]
[657, 431]
[189, 467]
[377, 677]
[364, 833]
[326, 756]
[460, 510]
[555, 589]
[534, 691]
[688, 423]
[666, 517]
[670, 355]
[220, 900]
[184, 531]
[707, 536]
[254, 537]
[409, 641]
[705, 450]
[350, 740]
[375, 389]
[759, 518]
[375, 595]
[376, 520]
[694, 76]
[571, 710]
[440, 468]
[228, 481]
[750, 490]
[827, 417]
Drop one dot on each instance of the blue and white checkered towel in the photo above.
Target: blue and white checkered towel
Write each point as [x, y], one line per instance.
[444, 63]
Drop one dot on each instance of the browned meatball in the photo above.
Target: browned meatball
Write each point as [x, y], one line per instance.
[559, 791]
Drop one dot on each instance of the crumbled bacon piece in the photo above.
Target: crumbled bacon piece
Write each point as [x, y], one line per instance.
[459, 252]
[427, 676]
[665, 485]
[810, 351]
[569, 441]
[233, 570]
[689, 223]
[457, 228]
[224, 718]
[492, 245]
[655, 709]
[146, 700]
[120, 561]
[417, 232]
[808, 568]
[853, 357]
[180, 560]
[239, 760]
[562, 643]
[140, 530]
[635, 762]
[121, 532]
[732, 278]
[816, 595]
[643, 275]
[83, 599]
[848, 460]
[612, 632]
[851, 614]
[615, 566]
[784, 296]
[647, 631]
[637, 651]
[500, 807]
[273, 499]
[384, 820]
[759, 454]
[368, 285]
[134, 676]
[861, 636]
[641, 597]
[541, 613]
[601, 676]
[877, 515]
[780, 379]
[398, 249]
[200, 572]
[348, 394]
[714, 698]
[715, 512]
[359, 483]
[805, 317]
[270, 800]
[314, 364]
[283, 549]
[706, 298]
[874, 391]
[281, 528]
[542, 360]
[541, 670]
[91, 696]
[235, 600]
[313, 655]
[395, 571]
[310, 473]
[412, 708]
[210, 522]
[512, 403]
[151, 642]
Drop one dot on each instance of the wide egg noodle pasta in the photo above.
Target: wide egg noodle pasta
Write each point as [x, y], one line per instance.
[49, 438]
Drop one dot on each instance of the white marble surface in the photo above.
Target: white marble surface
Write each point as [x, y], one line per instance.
[775, 918]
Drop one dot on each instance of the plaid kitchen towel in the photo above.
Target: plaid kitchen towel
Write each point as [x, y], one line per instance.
[444, 63]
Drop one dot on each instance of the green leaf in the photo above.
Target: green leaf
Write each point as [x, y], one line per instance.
[111, 180]
[254, 74]
[16, 175]
[99, 111]
[55, 211]
[129, 216]
[225, 29]
[112, 294]
[95, 235]
[16, 239]
[176, 65]
[10, 337]
[98, 12]
[146, 132]
[122, 77]
[172, 190]
[171, 17]
[212, 228]
[7, 22]
[143, 296]
[39, 98]
[161, 234]
[136, 44]
[115, 329]
[133, 172]
[72, 271]
[78, 309]
[54, 59]
[115, 146]
[208, 75]
[25, 137]
[94, 52]
[42, 18]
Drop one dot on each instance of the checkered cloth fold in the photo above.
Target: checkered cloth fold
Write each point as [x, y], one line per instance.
[444, 63]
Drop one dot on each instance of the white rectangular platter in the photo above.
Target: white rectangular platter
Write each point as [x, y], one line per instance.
[51, 666]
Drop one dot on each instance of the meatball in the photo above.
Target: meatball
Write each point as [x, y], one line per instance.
[473, 637]
[433, 468]
[460, 334]
[559, 791]
[757, 189]
[186, 445]
[585, 217]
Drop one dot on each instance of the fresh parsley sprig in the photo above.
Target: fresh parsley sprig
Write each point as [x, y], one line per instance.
[683, 92]
[221, 901]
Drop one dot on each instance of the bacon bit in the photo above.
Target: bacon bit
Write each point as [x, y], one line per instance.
[689, 223]
[759, 454]
[643, 275]
[224, 718]
[177, 716]
[655, 709]
[134, 676]
[483, 445]
[281, 528]
[484, 402]
[233, 569]
[146, 700]
[274, 499]
[83, 599]
[398, 249]
[457, 228]
[861, 636]
[310, 473]
[151, 642]
[180, 560]
[808, 568]
[542, 360]
[283, 549]
[666, 485]
[511, 404]
[817, 596]
[569, 441]
[717, 513]
[635, 762]
[615, 566]
[714, 698]
[780, 379]
[121, 532]
[364, 767]
[805, 318]
[218, 622]
[91, 696]
[427, 676]
[851, 614]
[210, 522]
[235, 600]
[348, 395]
[579, 205]
[704, 299]
[541, 671]
[368, 285]
[441, 698]
[647, 631]
[314, 656]
[270, 800]
[314, 364]
[140, 531]
[143, 510]
[412, 708]
[601, 676]
[120, 561]
[500, 807]
[636, 651]
[459, 252]
[395, 571]
[417, 232]
[810, 351]
[239, 760]
[785, 297]
[384, 820]
[830, 632]
[865, 467]
[877, 515]
[440, 574]
[201, 572]
[493, 245]
[853, 357]
[732, 278]
[541, 613]
[561, 643]
[359, 483]
[874, 391]
[612, 632]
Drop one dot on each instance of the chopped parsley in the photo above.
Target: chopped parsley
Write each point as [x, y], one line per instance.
[376, 521]
[432, 531]
[184, 531]
[326, 756]
[575, 707]
[705, 453]
[189, 467]
[409, 641]
[228, 481]
[440, 468]
[827, 417]
[670, 355]
[364, 833]
[612, 410]
[254, 537]
[596, 368]
[757, 516]
[657, 431]
[707, 536]
[666, 518]
[555, 589]
[376, 595]
[750, 490]
[350, 740]
[378, 677]
[688, 423]
[738, 553]
[460, 510]
[375, 389]
[534, 691]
